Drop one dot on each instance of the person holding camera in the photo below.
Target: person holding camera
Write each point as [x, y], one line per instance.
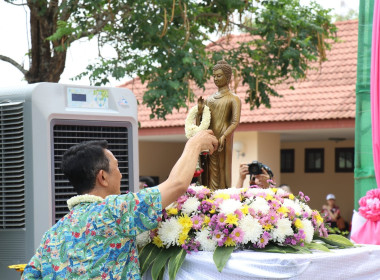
[259, 175]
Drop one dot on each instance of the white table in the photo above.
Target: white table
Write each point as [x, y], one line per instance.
[355, 263]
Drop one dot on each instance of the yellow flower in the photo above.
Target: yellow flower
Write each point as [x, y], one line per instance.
[267, 227]
[269, 197]
[298, 224]
[232, 219]
[291, 196]
[172, 211]
[318, 218]
[182, 238]
[244, 210]
[274, 190]
[158, 242]
[206, 220]
[185, 222]
[222, 195]
[284, 210]
[229, 242]
[212, 211]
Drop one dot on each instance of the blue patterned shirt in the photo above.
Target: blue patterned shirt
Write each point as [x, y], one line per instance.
[97, 240]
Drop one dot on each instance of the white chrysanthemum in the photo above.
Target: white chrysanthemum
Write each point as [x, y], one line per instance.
[282, 230]
[169, 232]
[260, 204]
[252, 229]
[268, 191]
[308, 229]
[190, 205]
[197, 189]
[229, 206]
[228, 191]
[206, 244]
[143, 238]
[254, 191]
[292, 204]
[306, 208]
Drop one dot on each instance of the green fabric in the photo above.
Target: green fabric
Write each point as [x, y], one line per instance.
[364, 170]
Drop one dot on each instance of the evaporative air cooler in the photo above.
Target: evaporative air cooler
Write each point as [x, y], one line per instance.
[38, 123]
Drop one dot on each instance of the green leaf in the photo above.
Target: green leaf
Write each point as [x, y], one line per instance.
[152, 253]
[336, 240]
[221, 256]
[175, 263]
[317, 246]
[161, 260]
[340, 239]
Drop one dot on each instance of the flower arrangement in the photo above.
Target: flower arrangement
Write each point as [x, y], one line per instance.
[190, 127]
[370, 205]
[225, 220]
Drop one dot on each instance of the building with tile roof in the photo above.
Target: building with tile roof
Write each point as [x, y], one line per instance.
[310, 126]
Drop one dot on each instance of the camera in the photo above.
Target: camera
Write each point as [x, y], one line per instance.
[255, 168]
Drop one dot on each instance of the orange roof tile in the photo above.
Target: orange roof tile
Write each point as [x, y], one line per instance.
[327, 94]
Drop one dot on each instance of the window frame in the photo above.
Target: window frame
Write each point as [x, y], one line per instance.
[308, 153]
[344, 149]
[287, 152]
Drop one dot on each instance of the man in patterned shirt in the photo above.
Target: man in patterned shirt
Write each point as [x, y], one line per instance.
[97, 238]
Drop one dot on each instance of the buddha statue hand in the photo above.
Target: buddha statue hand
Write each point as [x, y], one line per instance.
[201, 105]
[222, 141]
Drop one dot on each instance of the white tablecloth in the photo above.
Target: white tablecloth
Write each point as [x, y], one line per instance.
[356, 263]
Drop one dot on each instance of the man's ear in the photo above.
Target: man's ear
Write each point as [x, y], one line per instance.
[102, 178]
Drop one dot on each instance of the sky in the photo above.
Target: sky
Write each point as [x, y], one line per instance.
[14, 24]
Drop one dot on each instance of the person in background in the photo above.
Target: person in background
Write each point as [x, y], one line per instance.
[97, 238]
[261, 180]
[286, 188]
[332, 214]
[146, 182]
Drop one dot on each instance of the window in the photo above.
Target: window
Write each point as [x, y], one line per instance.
[344, 159]
[314, 160]
[287, 161]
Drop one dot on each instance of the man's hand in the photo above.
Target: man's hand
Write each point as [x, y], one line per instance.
[204, 140]
[180, 177]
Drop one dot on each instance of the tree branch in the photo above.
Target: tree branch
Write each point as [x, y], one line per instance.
[14, 4]
[14, 63]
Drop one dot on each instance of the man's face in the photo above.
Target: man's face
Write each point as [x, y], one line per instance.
[220, 79]
[114, 178]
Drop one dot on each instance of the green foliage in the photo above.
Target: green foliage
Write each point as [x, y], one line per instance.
[221, 256]
[164, 42]
[157, 258]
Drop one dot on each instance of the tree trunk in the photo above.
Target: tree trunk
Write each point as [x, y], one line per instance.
[47, 64]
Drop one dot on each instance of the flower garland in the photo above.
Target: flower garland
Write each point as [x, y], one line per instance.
[82, 198]
[190, 127]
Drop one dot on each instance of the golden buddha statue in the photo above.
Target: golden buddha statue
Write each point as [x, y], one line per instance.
[225, 108]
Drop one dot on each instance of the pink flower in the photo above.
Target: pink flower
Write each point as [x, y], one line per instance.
[237, 234]
[264, 239]
[197, 222]
[370, 205]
